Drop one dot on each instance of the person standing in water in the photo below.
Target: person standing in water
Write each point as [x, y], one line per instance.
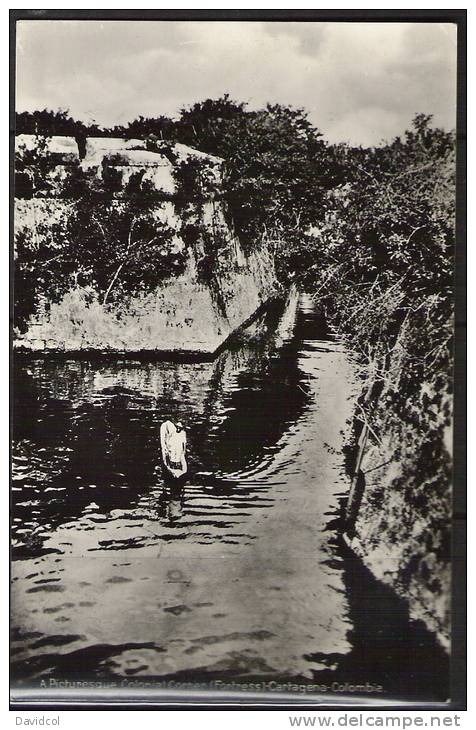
[173, 444]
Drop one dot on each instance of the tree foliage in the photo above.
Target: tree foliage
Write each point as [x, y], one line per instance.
[383, 271]
[388, 236]
[276, 163]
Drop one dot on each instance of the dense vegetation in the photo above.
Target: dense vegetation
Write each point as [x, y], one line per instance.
[357, 226]
[383, 270]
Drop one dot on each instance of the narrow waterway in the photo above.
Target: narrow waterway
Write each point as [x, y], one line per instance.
[239, 574]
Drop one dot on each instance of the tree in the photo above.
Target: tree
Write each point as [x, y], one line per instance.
[207, 125]
[276, 164]
[160, 128]
[48, 123]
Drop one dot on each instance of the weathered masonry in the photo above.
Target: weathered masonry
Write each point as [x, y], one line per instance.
[187, 313]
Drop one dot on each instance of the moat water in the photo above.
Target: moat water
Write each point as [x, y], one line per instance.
[238, 575]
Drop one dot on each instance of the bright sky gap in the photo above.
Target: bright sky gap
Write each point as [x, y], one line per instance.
[360, 82]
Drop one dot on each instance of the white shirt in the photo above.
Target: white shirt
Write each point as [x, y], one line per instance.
[176, 445]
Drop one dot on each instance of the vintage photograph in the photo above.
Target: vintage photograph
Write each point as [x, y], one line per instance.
[233, 348]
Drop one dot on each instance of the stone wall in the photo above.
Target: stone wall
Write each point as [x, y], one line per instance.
[185, 314]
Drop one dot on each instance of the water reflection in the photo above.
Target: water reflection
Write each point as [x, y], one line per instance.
[89, 432]
[236, 572]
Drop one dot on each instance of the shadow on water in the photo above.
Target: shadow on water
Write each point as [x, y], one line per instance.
[388, 648]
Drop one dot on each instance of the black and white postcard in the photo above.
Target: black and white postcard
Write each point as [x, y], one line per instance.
[233, 340]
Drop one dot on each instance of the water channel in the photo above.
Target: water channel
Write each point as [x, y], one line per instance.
[241, 573]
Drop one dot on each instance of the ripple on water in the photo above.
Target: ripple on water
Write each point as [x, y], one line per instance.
[238, 571]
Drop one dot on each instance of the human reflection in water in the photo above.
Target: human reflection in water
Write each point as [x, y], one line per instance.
[168, 502]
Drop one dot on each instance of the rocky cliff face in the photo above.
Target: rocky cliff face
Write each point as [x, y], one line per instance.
[219, 286]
